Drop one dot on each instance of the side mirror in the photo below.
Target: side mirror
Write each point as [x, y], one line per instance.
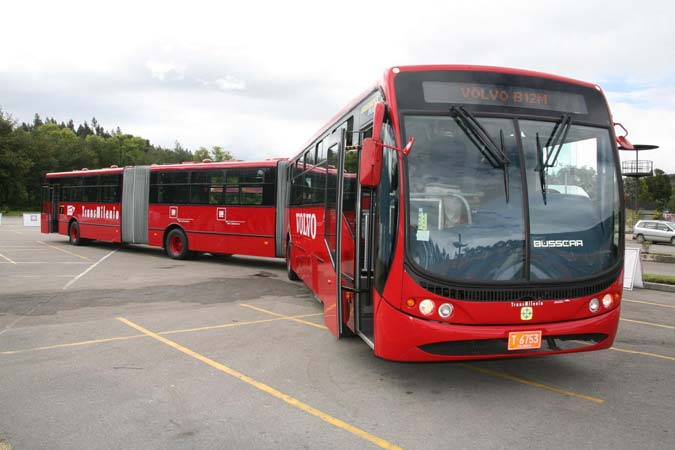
[370, 165]
[622, 141]
[378, 119]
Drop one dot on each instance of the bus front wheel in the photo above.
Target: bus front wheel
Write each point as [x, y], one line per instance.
[176, 244]
[74, 234]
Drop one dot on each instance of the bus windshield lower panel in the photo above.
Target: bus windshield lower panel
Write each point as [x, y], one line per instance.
[467, 199]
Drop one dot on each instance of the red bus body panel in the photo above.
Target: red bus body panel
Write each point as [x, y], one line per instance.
[310, 258]
[99, 221]
[216, 229]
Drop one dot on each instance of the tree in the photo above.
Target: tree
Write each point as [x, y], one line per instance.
[659, 189]
[221, 155]
[201, 154]
[14, 165]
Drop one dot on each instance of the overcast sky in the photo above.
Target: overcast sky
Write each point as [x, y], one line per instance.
[260, 78]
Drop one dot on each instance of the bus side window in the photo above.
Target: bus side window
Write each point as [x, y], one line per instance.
[320, 153]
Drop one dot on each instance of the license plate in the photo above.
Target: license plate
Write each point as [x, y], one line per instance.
[524, 340]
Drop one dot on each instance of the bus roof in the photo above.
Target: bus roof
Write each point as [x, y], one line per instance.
[386, 82]
[474, 68]
[188, 165]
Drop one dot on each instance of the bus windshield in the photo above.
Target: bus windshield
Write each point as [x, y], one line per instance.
[550, 214]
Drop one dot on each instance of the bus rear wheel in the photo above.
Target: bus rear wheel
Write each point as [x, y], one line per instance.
[74, 234]
[176, 244]
[289, 269]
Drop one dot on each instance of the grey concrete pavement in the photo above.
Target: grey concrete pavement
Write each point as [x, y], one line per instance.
[73, 376]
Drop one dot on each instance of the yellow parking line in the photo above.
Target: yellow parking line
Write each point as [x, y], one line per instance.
[648, 303]
[63, 250]
[625, 350]
[670, 327]
[4, 257]
[312, 324]
[532, 383]
[72, 344]
[235, 324]
[469, 366]
[265, 388]
[654, 355]
[122, 338]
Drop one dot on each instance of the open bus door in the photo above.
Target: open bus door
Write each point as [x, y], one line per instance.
[49, 217]
[348, 237]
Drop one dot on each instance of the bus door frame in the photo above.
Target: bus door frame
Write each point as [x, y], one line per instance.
[51, 216]
[358, 282]
[332, 306]
[365, 219]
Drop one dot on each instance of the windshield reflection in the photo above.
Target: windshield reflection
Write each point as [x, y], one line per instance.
[463, 227]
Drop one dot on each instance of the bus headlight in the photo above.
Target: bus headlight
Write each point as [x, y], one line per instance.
[445, 310]
[607, 300]
[427, 307]
[594, 305]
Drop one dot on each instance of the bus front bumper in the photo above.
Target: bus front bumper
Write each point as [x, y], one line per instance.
[401, 337]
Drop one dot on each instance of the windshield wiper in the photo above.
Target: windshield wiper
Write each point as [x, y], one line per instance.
[493, 154]
[557, 137]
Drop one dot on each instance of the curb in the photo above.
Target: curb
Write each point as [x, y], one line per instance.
[657, 258]
[659, 286]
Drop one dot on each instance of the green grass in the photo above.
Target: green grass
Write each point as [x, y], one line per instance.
[663, 279]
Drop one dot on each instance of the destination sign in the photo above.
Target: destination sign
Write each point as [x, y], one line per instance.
[508, 96]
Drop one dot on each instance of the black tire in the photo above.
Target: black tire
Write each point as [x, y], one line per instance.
[289, 270]
[640, 238]
[176, 244]
[672, 240]
[74, 236]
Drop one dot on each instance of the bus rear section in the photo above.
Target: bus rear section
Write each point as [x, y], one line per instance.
[223, 208]
[487, 216]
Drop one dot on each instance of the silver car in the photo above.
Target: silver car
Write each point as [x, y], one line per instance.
[655, 231]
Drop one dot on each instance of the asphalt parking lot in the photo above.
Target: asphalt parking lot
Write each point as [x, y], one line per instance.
[107, 347]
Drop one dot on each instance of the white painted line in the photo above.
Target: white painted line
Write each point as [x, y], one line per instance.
[45, 262]
[64, 251]
[88, 270]
[37, 247]
[4, 257]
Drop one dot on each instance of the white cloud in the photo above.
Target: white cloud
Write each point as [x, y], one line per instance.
[226, 83]
[230, 83]
[280, 75]
[165, 70]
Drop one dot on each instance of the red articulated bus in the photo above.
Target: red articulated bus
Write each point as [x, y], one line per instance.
[224, 207]
[463, 212]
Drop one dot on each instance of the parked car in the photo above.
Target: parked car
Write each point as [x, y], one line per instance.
[655, 231]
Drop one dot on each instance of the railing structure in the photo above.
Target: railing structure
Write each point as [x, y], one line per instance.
[637, 169]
